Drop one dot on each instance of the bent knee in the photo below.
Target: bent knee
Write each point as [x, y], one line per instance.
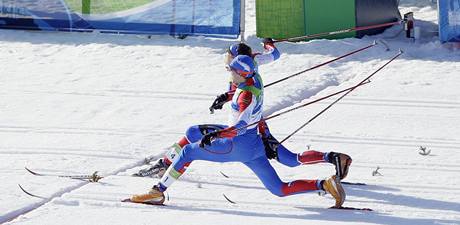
[289, 164]
[186, 153]
[278, 191]
[193, 134]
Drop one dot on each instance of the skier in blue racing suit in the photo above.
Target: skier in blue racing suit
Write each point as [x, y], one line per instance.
[273, 149]
[239, 142]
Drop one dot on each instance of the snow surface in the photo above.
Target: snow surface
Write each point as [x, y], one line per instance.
[79, 103]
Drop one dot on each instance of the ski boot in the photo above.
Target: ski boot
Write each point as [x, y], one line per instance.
[341, 162]
[153, 197]
[333, 186]
[155, 171]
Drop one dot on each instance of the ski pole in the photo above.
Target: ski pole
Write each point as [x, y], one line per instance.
[298, 107]
[341, 97]
[322, 64]
[310, 36]
[309, 69]
[317, 66]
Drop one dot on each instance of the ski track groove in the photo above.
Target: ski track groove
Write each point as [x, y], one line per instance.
[351, 100]
[403, 140]
[78, 150]
[406, 101]
[31, 152]
[76, 130]
[384, 144]
[127, 94]
[27, 209]
[10, 216]
[358, 103]
[379, 142]
[312, 137]
[408, 168]
[412, 164]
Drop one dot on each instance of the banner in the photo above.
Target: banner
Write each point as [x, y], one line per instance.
[176, 17]
[449, 20]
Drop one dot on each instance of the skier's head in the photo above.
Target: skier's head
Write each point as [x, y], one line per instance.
[242, 68]
[240, 49]
[235, 50]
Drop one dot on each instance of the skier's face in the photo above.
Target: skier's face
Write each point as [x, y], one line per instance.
[228, 59]
[237, 78]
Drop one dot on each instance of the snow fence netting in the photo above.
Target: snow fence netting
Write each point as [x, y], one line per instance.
[294, 18]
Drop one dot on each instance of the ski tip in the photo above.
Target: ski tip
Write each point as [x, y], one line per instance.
[21, 187]
[228, 199]
[223, 174]
[30, 194]
[32, 172]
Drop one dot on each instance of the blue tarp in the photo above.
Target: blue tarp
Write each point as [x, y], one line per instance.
[189, 17]
[449, 20]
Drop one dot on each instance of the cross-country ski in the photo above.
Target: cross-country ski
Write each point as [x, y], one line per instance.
[94, 177]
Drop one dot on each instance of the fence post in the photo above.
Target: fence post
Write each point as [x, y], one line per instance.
[242, 19]
[86, 6]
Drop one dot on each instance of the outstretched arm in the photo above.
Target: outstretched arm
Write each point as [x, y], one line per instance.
[223, 98]
[271, 53]
[245, 104]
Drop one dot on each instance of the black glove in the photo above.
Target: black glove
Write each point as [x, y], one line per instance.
[207, 139]
[271, 147]
[219, 102]
[268, 41]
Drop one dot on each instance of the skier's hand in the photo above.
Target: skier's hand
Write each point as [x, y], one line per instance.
[219, 102]
[268, 42]
[271, 147]
[207, 139]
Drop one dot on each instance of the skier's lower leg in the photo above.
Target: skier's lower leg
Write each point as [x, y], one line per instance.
[311, 157]
[161, 165]
[341, 162]
[174, 151]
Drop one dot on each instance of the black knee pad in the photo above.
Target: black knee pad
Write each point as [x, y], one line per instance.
[208, 128]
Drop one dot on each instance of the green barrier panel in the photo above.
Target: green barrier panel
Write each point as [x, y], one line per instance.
[86, 6]
[280, 18]
[330, 15]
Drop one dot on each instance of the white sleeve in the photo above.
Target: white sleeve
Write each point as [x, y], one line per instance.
[268, 56]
